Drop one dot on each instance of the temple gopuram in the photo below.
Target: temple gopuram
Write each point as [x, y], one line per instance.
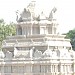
[37, 48]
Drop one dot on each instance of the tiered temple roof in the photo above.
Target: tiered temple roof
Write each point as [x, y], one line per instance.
[37, 48]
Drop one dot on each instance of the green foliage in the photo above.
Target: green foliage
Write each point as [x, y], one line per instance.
[71, 36]
[6, 30]
[1, 21]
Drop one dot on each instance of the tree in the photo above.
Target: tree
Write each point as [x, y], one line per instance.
[71, 36]
[6, 30]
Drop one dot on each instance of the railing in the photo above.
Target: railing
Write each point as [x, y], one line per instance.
[38, 73]
[22, 43]
[17, 36]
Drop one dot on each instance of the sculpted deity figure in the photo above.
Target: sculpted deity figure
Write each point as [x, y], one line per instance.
[32, 51]
[9, 55]
[17, 15]
[52, 13]
[37, 53]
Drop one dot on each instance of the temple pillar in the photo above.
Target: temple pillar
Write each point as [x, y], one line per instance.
[61, 68]
[74, 68]
[22, 31]
[31, 29]
[16, 32]
[52, 28]
[2, 69]
[51, 68]
[42, 30]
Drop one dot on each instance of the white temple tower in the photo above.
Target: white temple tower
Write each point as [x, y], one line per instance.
[37, 49]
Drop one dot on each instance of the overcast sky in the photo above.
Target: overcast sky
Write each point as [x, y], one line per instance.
[65, 11]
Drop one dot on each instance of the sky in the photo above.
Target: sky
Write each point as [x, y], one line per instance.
[65, 14]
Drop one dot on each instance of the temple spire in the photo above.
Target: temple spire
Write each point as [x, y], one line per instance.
[31, 8]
